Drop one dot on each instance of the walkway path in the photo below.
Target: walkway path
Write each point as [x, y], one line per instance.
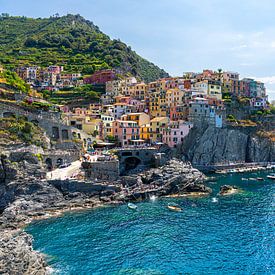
[64, 173]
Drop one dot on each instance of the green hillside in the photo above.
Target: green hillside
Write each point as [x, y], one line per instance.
[71, 41]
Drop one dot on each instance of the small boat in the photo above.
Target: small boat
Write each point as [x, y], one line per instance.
[271, 176]
[252, 179]
[260, 179]
[174, 207]
[132, 206]
[232, 171]
[244, 179]
[220, 172]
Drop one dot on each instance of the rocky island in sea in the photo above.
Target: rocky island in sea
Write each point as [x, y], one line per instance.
[70, 143]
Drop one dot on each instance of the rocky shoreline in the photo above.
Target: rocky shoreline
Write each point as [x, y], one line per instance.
[25, 198]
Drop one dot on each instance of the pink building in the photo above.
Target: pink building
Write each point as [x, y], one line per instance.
[126, 132]
[81, 111]
[174, 134]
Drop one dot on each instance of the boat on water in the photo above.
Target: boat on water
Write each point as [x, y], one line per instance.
[271, 176]
[260, 179]
[220, 172]
[132, 206]
[214, 200]
[232, 171]
[174, 207]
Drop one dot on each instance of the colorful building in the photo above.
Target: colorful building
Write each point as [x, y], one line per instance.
[100, 77]
[139, 118]
[175, 132]
[157, 124]
[126, 132]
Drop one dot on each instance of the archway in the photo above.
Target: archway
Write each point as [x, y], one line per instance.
[49, 164]
[131, 163]
[8, 114]
[59, 162]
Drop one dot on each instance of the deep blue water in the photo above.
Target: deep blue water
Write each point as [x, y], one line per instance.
[232, 236]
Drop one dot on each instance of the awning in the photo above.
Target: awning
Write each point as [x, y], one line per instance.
[105, 144]
[137, 140]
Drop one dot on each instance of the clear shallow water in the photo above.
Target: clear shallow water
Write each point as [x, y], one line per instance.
[234, 235]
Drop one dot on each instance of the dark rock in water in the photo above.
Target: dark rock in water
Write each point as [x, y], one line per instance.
[228, 190]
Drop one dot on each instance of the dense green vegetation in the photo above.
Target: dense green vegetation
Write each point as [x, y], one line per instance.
[17, 129]
[71, 41]
[13, 81]
[68, 95]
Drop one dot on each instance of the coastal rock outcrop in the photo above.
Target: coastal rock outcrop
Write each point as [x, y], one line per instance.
[210, 146]
[174, 178]
[25, 195]
[17, 255]
[228, 190]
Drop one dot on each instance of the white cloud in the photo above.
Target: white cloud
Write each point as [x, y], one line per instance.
[266, 79]
[271, 94]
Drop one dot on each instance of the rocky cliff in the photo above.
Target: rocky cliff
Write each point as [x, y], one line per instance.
[25, 195]
[209, 146]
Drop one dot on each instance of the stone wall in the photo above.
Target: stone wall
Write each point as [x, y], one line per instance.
[51, 122]
[102, 170]
[144, 158]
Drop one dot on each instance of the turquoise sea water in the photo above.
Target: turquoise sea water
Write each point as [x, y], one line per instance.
[234, 235]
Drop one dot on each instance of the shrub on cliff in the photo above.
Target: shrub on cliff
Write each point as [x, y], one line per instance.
[17, 129]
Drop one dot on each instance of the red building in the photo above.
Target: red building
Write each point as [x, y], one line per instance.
[100, 77]
[187, 84]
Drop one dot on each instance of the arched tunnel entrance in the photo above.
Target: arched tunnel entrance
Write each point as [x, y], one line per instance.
[49, 164]
[8, 114]
[59, 162]
[131, 163]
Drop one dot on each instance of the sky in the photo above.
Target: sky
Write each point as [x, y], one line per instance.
[180, 35]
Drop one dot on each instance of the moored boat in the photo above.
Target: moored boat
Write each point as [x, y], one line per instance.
[132, 206]
[220, 172]
[271, 176]
[174, 207]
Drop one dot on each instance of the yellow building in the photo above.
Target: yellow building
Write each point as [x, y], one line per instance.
[156, 126]
[138, 91]
[139, 118]
[145, 132]
[157, 104]
[215, 90]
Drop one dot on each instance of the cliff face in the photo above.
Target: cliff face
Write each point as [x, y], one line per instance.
[210, 145]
